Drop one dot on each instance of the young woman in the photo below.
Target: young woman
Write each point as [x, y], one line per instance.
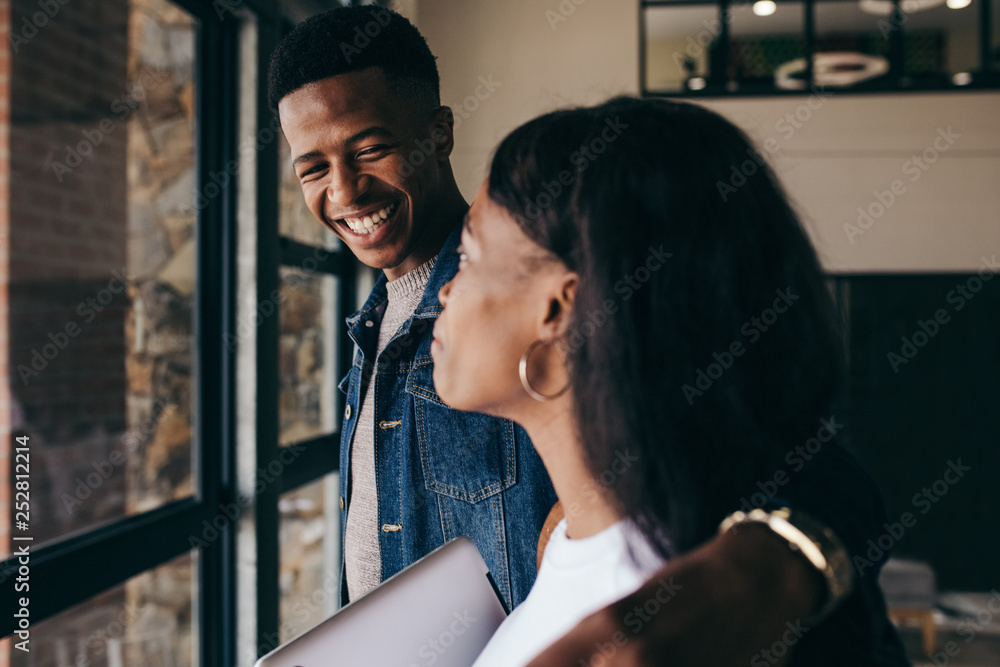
[663, 335]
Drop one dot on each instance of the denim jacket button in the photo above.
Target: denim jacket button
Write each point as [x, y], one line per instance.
[342, 503]
[369, 323]
[347, 411]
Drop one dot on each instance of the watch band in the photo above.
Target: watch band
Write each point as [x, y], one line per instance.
[815, 541]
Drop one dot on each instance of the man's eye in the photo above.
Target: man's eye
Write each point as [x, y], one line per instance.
[312, 170]
[372, 151]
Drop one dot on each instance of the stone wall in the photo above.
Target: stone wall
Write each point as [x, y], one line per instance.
[100, 219]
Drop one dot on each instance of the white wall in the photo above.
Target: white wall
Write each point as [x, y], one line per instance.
[540, 66]
[846, 149]
[851, 147]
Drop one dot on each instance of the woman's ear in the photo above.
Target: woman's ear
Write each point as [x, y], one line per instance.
[559, 309]
[443, 133]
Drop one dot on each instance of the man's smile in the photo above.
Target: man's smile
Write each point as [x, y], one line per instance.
[368, 227]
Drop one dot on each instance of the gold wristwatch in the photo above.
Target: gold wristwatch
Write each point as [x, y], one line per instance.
[817, 543]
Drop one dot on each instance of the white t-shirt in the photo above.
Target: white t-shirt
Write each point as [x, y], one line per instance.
[577, 578]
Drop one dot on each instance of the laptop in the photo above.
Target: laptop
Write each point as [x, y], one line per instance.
[441, 611]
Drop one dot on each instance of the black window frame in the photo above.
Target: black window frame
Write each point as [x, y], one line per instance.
[716, 84]
[72, 570]
[319, 456]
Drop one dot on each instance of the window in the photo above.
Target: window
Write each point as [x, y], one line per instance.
[310, 555]
[703, 47]
[115, 308]
[148, 620]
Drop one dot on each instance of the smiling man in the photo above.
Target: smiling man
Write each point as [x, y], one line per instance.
[357, 93]
[370, 146]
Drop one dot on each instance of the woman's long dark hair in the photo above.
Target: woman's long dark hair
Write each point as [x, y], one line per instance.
[681, 237]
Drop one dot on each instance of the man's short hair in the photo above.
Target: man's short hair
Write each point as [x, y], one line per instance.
[349, 39]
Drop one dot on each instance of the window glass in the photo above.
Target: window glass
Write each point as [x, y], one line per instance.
[310, 534]
[852, 43]
[149, 620]
[994, 59]
[766, 39]
[100, 215]
[678, 44]
[307, 361]
[942, 42]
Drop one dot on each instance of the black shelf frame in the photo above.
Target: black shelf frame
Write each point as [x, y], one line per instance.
[986, 78]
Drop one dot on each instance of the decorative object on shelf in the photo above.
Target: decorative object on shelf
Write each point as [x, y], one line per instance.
[834, 69]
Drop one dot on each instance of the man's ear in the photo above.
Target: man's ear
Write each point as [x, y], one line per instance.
[443, 133]
[559, 306]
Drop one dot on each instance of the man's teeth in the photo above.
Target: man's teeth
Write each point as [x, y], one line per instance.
[370, 223]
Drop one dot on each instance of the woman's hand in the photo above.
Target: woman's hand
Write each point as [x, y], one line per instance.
[737, 600]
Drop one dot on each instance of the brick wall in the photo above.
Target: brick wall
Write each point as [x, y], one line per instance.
[63, 232]
[5, 434]
[98, 294]
[67, 235]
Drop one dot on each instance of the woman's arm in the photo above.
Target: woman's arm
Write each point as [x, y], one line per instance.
[743, 598]
[729, 602]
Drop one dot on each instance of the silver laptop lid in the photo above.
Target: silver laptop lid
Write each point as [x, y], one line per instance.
[440, 611]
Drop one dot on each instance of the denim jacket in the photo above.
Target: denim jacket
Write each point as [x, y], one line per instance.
[440, 472]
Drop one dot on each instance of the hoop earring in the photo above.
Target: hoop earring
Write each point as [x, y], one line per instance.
[522, 369]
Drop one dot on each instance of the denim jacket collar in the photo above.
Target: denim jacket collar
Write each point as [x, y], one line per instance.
[444, 270]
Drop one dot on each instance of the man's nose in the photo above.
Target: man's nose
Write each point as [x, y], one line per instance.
[346, 186]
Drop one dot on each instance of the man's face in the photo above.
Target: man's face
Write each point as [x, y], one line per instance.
[368, 160]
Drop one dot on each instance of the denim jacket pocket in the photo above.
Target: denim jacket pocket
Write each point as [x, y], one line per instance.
[464, 455]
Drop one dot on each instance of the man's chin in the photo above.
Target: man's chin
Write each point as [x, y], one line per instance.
[379, 258]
